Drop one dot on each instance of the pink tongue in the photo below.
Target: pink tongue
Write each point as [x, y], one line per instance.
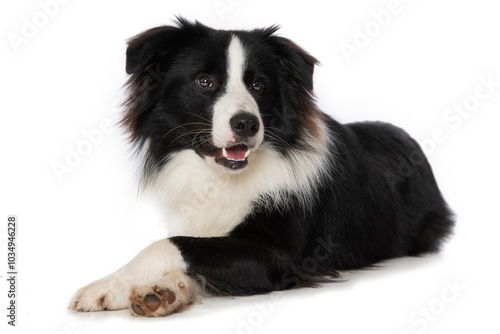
[237, 152]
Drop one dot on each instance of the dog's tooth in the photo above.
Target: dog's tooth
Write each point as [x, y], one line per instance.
[247, 154]
[224, 152]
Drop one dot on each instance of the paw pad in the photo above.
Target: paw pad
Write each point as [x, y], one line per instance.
[153, 301]
[166, 294]
[173, 293]
[138, 310]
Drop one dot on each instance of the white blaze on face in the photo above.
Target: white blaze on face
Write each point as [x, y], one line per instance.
[236, 98]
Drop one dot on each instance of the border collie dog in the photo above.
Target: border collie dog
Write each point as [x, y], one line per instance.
[263, 190]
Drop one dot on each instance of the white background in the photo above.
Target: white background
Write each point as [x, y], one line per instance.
[67, 78]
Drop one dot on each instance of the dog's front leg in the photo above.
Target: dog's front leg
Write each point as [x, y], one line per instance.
[147, 268]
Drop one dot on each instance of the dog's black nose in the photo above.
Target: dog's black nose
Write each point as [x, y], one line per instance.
[244, 124]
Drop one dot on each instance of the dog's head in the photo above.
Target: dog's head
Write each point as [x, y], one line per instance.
[220, 93]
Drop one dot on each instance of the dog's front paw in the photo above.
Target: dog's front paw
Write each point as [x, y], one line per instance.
[104, 295]
[173, 293]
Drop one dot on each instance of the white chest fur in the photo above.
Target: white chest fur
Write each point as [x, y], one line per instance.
[202, 201]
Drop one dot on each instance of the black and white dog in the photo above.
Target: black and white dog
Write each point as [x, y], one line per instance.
[264, 191]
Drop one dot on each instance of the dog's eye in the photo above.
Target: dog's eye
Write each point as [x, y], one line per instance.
[257, 86]
[205, 82]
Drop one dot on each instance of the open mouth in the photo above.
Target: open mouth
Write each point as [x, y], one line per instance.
[233, 157]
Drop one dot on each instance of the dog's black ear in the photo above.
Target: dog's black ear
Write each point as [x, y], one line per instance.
[296, 62]
[147, 47]
[161, 44]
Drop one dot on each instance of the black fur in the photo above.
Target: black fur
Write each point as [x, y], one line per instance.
[378, 201]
